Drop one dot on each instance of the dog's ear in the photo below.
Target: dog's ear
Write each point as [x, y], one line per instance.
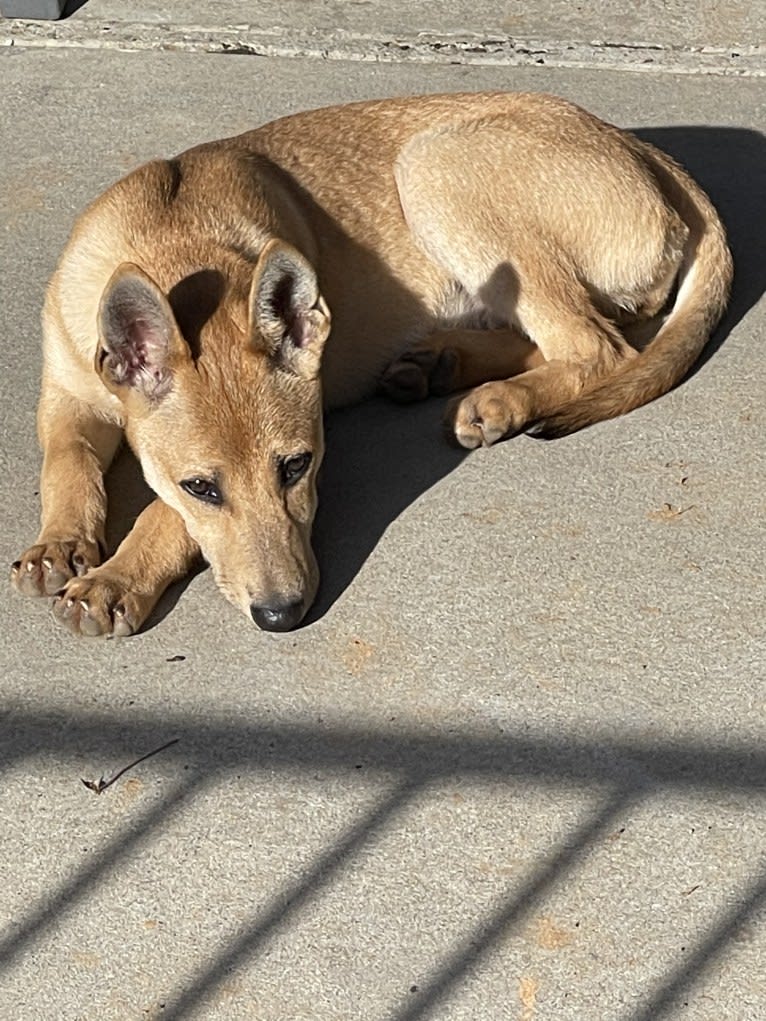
[288, 316]
[139, 339]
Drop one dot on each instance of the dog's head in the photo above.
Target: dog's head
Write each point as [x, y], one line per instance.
[230, 437]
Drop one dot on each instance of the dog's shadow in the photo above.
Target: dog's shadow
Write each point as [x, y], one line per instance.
[380, 458]
[730, 164]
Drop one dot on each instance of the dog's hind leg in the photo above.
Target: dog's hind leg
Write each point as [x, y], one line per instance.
[579, 345]
[451, 360]
[521, 226]
[78, 447]
[117, 597]
[503, 408]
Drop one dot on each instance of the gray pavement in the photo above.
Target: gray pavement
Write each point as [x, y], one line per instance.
[514, 766]
[710, 36]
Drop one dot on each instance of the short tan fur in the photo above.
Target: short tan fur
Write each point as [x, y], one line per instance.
[502, 247]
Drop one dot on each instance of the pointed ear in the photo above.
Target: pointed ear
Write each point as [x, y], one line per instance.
[288, 316]
[140, 342]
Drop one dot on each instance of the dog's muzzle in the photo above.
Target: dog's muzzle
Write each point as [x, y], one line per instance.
[277, 616]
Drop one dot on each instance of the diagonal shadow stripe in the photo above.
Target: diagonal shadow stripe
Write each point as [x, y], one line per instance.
[703, 956]
[460, 962]
[100, 866]
[286, 905]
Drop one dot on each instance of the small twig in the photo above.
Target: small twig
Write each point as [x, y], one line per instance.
[669, 513]
[102, 784]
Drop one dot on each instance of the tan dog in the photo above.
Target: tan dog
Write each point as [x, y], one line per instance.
[455, 240]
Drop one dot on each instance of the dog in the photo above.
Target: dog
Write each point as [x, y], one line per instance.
[497, 246]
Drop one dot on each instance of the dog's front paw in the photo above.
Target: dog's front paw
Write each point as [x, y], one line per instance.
[490, 413]
[46, 567]
[101, 603]
[421, 373]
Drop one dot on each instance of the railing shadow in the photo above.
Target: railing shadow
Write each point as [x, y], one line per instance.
[515, 909]
[380, 459]
[625, 772]
[680, 979]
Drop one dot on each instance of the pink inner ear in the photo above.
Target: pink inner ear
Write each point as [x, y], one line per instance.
[141, 354]
[140, 351]
[302, 330]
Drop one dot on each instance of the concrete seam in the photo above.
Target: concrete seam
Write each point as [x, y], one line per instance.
[467, 49]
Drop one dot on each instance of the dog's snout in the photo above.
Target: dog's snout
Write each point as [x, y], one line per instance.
[277, 616]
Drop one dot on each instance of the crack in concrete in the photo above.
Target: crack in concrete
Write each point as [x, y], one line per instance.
[338, 44]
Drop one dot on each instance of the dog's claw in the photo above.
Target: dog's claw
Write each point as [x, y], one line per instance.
[122, 626]
[98, 604]
[45, 568]
[80, 564]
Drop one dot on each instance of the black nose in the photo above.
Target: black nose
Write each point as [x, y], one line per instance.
[277, 616]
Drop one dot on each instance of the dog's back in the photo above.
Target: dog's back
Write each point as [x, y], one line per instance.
[495, 244]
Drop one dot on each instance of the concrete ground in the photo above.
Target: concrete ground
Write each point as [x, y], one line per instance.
[514, 766]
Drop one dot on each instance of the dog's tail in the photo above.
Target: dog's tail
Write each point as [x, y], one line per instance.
[704, 282]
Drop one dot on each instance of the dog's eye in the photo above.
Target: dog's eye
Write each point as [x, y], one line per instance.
[203, 489]
[292, 469]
